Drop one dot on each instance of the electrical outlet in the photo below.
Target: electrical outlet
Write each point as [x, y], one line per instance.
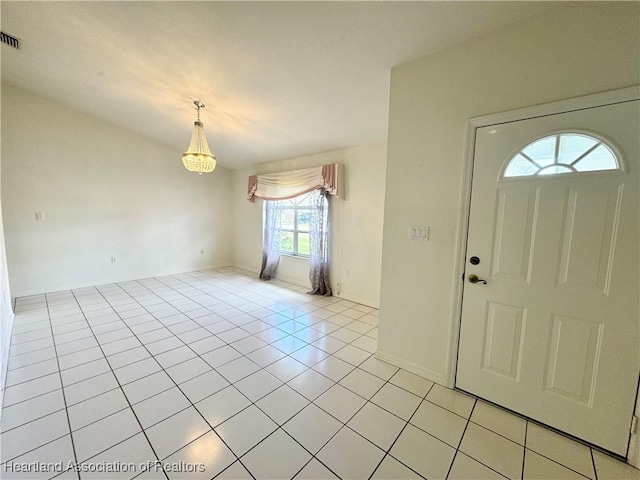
[39, 216]
[114, 259]
[348, 273]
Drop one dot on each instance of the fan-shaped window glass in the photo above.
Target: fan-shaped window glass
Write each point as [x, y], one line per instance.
[562, 153]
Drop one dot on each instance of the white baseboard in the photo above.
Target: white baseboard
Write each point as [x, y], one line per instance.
[361, 301]
[414, 368]
[297, 282]
[246, 268]
[282, 278]
[105, 281]
[292, 280]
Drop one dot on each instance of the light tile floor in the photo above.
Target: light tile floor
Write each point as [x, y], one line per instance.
[250, 379]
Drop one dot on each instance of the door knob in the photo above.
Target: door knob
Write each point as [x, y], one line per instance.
[474, 279]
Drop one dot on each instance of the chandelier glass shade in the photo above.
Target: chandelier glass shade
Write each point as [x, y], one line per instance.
[198, 157]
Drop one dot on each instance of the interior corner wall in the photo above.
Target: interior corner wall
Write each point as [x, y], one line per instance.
[104, 192]
[6, 312]
[356, 223]
[578, 49]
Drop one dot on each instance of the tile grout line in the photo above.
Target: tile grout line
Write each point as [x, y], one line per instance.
[106, 343]
[99, 374]
[524, 453]
[5, 397]
[199, 355]
[525, 449]
[345, 424]
[284, 383]
[561, 464]
[489, 430]
[252, 403]
[274, 312]
[57, 356]
[475, 402]
[257, 406]
[408, 422]
[188, 399]
[287, 354]
[335, 382]
[64, 396]
[126, 398]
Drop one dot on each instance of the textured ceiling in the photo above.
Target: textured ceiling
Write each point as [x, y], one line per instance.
[280, 79]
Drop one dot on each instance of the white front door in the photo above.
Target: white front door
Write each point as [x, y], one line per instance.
[554, 229]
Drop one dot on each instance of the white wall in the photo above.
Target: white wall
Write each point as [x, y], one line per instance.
[104, 191]
[576, 50]
[356, 223]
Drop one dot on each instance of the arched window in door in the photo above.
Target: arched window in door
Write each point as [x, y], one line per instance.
[562, 153]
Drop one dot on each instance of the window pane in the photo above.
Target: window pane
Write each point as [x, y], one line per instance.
[286, 242]
[543, 151]
[572, 146]
[520, 167]
[600, 159]
[303, 243]
[304, 200]
[554, 169]
[287, 218]
[303, 220]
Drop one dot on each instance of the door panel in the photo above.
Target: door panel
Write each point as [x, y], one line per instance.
[589, 233]
[503, 338]
[515, 214]
[574, 351]
[554, 334]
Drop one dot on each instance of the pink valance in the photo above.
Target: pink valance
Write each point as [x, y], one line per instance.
[283, 185]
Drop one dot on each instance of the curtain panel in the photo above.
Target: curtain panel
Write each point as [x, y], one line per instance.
[272, 236]
[284, 185]
[319, 244]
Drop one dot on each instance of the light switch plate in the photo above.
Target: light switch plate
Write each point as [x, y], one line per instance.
[418, 232]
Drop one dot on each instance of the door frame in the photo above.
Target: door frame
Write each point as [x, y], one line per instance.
[564, 106]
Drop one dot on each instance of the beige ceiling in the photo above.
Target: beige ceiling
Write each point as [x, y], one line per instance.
[280, 79]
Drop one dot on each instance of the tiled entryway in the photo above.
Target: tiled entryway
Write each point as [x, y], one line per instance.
[236, 378]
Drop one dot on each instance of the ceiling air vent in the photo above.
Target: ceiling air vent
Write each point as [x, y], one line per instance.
[10, 40]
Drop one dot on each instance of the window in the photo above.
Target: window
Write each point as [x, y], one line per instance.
[562, 153]
[295, 223]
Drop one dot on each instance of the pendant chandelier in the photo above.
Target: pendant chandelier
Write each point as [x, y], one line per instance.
[198, 157]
